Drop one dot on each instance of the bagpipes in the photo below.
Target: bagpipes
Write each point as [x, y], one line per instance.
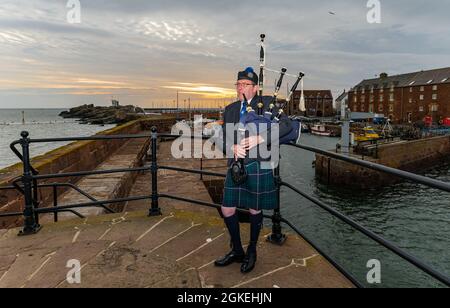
[254, 123]
[257, 120]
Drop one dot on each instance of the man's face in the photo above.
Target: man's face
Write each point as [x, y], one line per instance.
[246, 87]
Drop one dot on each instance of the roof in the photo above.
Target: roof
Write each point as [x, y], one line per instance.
[315, 93]
[431, 77]
[342, 96]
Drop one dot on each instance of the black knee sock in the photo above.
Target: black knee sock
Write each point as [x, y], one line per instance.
[233, 227]
[255, 228]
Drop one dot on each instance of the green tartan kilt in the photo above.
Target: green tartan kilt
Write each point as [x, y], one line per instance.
[259, 192]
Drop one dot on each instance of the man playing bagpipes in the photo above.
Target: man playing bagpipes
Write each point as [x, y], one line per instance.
[250, 184]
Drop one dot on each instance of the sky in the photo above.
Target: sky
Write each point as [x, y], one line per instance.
[143, 52]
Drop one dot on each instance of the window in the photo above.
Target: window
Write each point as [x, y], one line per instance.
[410, 90]
[381, 98]
[371, 98]
[355, 99]
[422, 97]
[434, 108]
[380, 108]
[362, 108]
[363, 90]
[435, 88]
[409, 116]
[391, 97]
[434, 97]
[392, 88]
[422, 88]
[371, 108]
[421, 108]
[410, 100]
[391, 108]
[363, 99]
[381, 90]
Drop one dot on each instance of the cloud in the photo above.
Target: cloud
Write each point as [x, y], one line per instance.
[196, 47]
[202, 90]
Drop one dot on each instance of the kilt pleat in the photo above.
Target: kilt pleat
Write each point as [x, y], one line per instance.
[259, 192]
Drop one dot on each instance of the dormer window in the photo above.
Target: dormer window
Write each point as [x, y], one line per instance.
[412, 82]
[430, 81]
[445, 79]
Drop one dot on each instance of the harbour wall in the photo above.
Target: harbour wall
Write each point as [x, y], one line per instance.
[74, 157]
[411, 156]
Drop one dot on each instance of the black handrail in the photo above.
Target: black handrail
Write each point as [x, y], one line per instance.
[325, 255]
[377, 167]
[385, 243]
[193, 171]
[31, 211]
[85, 173]
[55, 199]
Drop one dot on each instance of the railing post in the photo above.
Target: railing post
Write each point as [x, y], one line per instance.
[277, 237]
[155, 210]
[30, 224]
[55, 202]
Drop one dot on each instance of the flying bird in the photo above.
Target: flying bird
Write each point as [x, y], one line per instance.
[331, 13]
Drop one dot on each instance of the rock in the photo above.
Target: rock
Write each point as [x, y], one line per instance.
[89, 114]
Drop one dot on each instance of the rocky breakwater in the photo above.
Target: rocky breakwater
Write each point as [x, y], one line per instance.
[89, 114]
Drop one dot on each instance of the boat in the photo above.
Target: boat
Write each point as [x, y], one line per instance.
[368, 134]
[305, 128]
[321, 130]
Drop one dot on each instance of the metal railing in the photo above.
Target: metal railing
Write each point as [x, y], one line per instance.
[31, 210]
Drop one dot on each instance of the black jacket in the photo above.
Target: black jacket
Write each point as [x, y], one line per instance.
[232, 116]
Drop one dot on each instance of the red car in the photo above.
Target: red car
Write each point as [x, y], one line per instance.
[446, 122]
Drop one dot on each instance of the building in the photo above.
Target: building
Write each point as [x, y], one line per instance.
[318, 103]
[341, 102]
[405, 98]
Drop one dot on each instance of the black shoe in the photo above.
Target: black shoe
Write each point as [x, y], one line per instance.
[229, 258]
[249, 263]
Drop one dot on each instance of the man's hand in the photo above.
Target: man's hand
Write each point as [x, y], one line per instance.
[239, 151]
[251, 142]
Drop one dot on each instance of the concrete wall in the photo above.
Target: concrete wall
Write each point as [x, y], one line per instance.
[77, 156]
[413, 155]
[409, 156]
[215, 189]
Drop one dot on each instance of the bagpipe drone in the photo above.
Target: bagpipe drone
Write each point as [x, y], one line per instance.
[268, 113]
